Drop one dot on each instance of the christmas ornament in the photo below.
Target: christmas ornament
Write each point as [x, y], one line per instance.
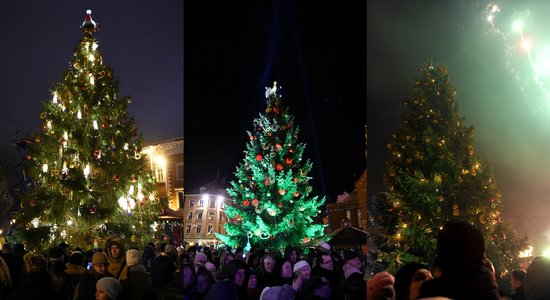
[33, 202]
[116, 178]
[42, 115]
[134, 238]
[282, 192]
[277, 147]
[295, 179]
[276, 109]
[251, 137]
[266, 182]
[279, 167]
[255, 202]
[289, 161]
[259, 157]
[296, 194]
[92, 210]
[246, 203]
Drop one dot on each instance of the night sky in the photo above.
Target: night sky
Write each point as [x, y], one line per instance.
[141, 40]
[315, 50]
[502, 90]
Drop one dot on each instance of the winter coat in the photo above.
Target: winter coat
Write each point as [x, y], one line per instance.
[137, 283]
[36, 286]
[480, 285]
[85, 290]
[116, 265]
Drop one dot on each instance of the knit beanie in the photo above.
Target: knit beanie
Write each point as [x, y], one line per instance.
[110, 285]
[210, 267]
[133, 257]
[299, 265]
[76, 258]
[200, 259]
[100, 258]
[277, 293]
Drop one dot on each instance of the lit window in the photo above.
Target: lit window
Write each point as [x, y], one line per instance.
[179, 171]
[191, 202]
[201, 203]
[190, 215]
[199, 215]
[198, 229]
[188, 229]
[210, 229]
[212, 203]
[221, 216]
[211, 215]
[159, 174]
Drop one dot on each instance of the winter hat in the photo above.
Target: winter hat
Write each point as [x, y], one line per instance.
[210, 267]
[168, 249]
[200, 259]
[277, 293]
[76, 258]
[110, 285]
[323, 247]
[299, 265]
[55, 252]
[100, 258]
[133, 257]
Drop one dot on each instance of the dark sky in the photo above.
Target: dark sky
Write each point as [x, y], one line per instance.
[141, 40]
[315, 50]
[501, 90]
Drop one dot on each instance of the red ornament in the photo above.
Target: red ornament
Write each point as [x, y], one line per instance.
[92, 210]
[280, 204]
[279, 167]
[266, 181]
[277, 147]
[289, 161]
[251, 137]
[276, 109]
[29, 157]
[296, 194]
[295, 179]
[291, 150]
[271, 238]
[259, 157]
[255, 202]
[33, 202]
[282, 192]
[246, 203]
[116, 178]
[103, 125]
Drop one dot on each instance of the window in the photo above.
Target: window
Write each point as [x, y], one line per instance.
[190, 215]
[188, 229]
[159, 174]
[223, 205]
[199, 215]
[219, 229]
[191, 202]
[209, 232]
[198, 229]
[201, 203]
[212, 203]
[180, 199]
[179, 171]
[211, 215]
[221, 216]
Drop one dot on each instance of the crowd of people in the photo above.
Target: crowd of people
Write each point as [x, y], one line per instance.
[114, 272]
[260, 274]
[461, 270]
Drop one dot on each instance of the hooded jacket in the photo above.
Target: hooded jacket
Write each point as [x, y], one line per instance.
[116, 265]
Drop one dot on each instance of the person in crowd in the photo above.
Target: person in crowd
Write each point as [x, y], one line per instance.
[517, 281]
[324, 267]
[215, 258]
[56, 268]
[537, 280]
[381, 287]
[37, 283]
[115, 252]
[86, 287]
[14, 265]
[301, 273]
[225, 258]
[75, 270]
[284, 292]
[107, 288]
[408, 280]
[189, 282]
[253, 290]
[204, 280]
[162, 272]
[265, 274]
[5, 279]
[138, 281]
[210, 267]
[200, 260]
[352, 284]
[291, 253]
[174, 289]
[283, 269]
[237, 272]
[148, 256]
[462, 263]
[317, 287]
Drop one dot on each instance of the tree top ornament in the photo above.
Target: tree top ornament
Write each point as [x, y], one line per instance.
[271, 90]
[89, 25]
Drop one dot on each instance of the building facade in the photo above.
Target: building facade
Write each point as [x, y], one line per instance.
[351, 209]
[204, 214]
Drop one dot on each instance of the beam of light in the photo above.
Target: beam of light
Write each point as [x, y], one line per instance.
[546, 252]
[519, 52]
[527, 252]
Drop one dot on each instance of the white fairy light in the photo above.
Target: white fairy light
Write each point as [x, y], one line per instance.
[79, 114]
[94, 122]
[45, 168]
[54, 100]
[87, 171]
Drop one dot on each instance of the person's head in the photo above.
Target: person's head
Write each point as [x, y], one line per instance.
[205, 280]
[459, 243]
[291, 254]
[188, 276]
[76, 258]
[537, 280]
[210, 267]
[237, 271]
[226, 257]
[252, 279]
[302, 269]
[409, 279]
[35, 263]
[107, 288]
[286, 269]
[352, 259]
[268, 263]
[200, 259]
[518, 278]
[133, 257]
[325, 261]
[317, 287]
[100, 263]
[285, 292]
[115, 249]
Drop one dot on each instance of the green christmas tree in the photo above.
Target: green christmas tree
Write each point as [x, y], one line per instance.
[89, 176]
[434, 174]
[272, 202]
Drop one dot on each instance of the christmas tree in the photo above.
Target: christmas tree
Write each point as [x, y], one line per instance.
[272, 206]
[88, 173]
[434, 174]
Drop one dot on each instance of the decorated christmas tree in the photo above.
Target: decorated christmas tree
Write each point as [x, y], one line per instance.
[88, 173]
[433, 175]
[272, 202]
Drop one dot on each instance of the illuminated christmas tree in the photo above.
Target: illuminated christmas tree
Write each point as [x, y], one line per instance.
[272, 206]
[88, 173]
[434, 174]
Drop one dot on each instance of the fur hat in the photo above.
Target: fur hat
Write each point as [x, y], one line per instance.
[100, 258]
[277, 293]
[299, 265]
[200, 259]
[133, 257]
[76, 258]
[110, 285]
